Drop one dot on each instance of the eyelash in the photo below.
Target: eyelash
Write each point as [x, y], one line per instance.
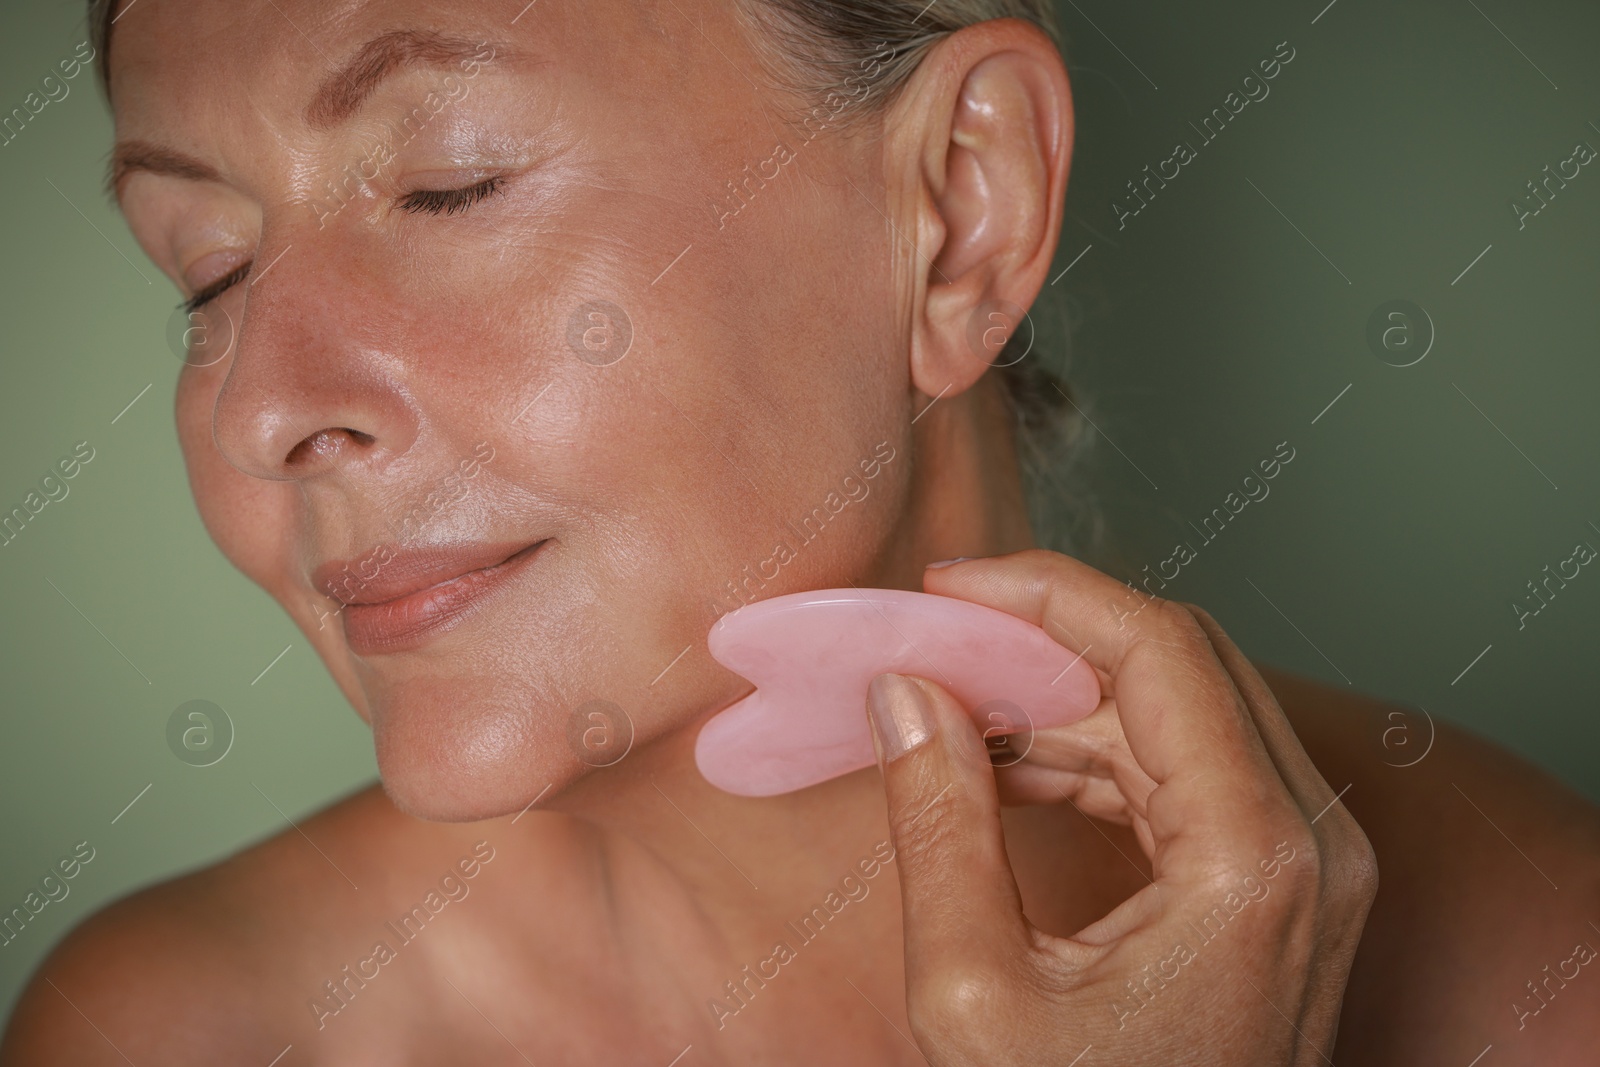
[215, 289]
[451, 201]
[432, 201]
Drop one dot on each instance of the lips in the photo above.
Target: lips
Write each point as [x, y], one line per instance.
[397, 599]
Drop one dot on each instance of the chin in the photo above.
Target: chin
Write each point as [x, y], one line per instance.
[450, 751]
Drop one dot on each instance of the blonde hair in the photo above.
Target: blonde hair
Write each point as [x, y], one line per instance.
[830, 41]
[849, 59]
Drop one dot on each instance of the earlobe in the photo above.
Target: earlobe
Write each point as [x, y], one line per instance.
[993, 175]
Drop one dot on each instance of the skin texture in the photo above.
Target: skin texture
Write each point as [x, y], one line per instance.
[376, 347]
[1221, 796]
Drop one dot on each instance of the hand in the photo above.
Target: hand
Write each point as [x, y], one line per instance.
[1191, 748]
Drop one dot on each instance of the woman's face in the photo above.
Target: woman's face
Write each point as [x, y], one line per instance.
[553, 275]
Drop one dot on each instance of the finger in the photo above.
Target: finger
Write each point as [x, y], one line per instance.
[1187, 725]
[1030, 783]
[959, 897]
[1346, 860]
[1087, 761]
[1311, 791]
[1345, 864]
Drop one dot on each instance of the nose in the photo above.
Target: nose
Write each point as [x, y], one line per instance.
[316, 384]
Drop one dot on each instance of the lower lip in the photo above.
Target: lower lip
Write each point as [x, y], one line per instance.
[408, 622]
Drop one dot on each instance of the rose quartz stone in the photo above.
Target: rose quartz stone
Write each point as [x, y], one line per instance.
[811, 656]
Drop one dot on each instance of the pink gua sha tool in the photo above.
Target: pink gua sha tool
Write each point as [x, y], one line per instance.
[811, 655]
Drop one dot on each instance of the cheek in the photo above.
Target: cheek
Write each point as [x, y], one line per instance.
[253, 523]
[811, 384]
[708, 451]
[700, 392]
[704, 469]
[248, 518]
[227, 499]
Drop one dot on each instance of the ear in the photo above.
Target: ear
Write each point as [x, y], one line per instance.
[982, 143]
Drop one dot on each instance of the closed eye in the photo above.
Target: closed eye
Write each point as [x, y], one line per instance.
[215, 289]
[451, 201]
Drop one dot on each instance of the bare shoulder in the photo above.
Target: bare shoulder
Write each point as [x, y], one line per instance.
[1484, 929]
[118, 985]
[239, 960]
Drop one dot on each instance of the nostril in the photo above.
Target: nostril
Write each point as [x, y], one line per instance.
[326, 444]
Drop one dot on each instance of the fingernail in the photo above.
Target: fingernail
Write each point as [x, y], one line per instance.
[900, 713]
[947, 562]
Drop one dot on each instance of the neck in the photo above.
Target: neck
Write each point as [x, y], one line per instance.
[754, 862]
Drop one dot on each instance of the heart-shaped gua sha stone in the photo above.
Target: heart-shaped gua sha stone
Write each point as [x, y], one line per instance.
[811, 656]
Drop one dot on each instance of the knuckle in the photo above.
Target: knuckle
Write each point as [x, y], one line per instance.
[1333, 866]
[925, 830]
[1052, 570]
[1211, 634]
[1169, 633]
[1364, 873]
[1305, 873]
[1175, 623]
[1219, 883]
[1289, 857]
[1201, 615]
[1352, 872]
[961, 1000]
[1044, 558]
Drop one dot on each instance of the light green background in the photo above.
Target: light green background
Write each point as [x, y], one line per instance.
[1207, 331]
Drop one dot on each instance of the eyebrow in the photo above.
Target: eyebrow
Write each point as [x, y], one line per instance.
[131, 156]
[344, 91]
[338, 98]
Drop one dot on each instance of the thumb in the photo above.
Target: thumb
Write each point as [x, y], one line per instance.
[959, 898]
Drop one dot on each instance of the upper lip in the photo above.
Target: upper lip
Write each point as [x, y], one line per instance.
[388, 572]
